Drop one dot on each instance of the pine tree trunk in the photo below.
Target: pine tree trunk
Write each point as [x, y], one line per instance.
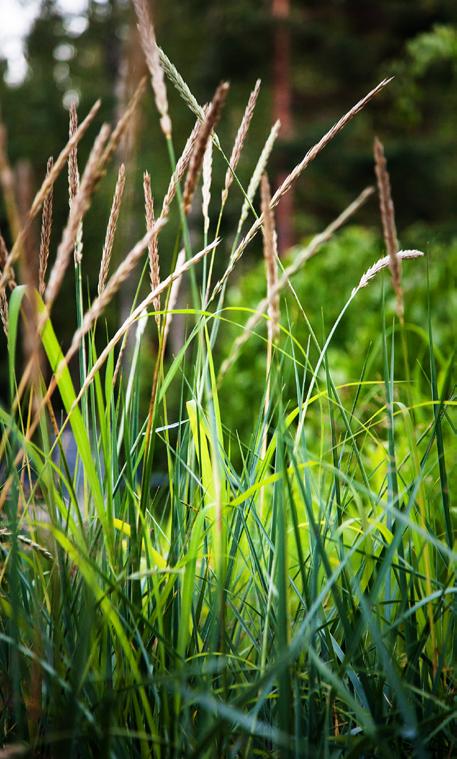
[282, 97]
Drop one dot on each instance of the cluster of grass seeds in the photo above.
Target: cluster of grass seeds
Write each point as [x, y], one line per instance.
[167, 590]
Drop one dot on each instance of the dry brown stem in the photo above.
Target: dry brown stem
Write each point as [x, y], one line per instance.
[125, 122]
[174, 292]
[180, 170]
[206, 185]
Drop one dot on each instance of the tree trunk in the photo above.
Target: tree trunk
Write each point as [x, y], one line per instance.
[282, 97]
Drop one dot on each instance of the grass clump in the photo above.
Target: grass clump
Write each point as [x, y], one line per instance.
[168, 589]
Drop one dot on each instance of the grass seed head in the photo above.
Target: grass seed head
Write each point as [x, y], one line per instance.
[212, 116]
[240, 140]
[46, 227]
[153, 249]
[151, 52]
[270, 251]
[388, 221]
[111, 229]
[79, 206]
[73, 171]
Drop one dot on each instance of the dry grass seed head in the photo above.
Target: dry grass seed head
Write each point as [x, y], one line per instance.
[153, 250]
[240, 140]
[382, 263]
[325, 140]
[10, 279]
[271, 260]
[79, 207]
[111, 229]
[151, 52]
[11, 283]
[112, 286]
[45, 189]
[45, 240]
[295, 174]
[252, 189]
[73, 178]
[4, 310]
[307, 253]
[206, 127]
[388, 221]
[73, 171]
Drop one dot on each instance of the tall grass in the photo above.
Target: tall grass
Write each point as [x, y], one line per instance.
[170, 590]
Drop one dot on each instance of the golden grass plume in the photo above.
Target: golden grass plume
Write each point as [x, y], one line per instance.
[206, 127]
[388, 221]
[153, 247]
[111, 229]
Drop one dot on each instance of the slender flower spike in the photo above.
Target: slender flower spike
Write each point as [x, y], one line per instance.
[10, 280]
[382, 263]
[4, 311]
[111, 229]
[270, 250]
[78, 208]
[212, 115]
[240, 140]
[153, 249]
[151, 52]
[73, 171]
[73, 180]
[46, 226]
[11, 283]
[388, 222]
[44, 190]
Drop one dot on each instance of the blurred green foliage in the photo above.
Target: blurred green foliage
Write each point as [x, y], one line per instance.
[323, 286]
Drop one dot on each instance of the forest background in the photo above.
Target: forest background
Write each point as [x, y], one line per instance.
[315, 58]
